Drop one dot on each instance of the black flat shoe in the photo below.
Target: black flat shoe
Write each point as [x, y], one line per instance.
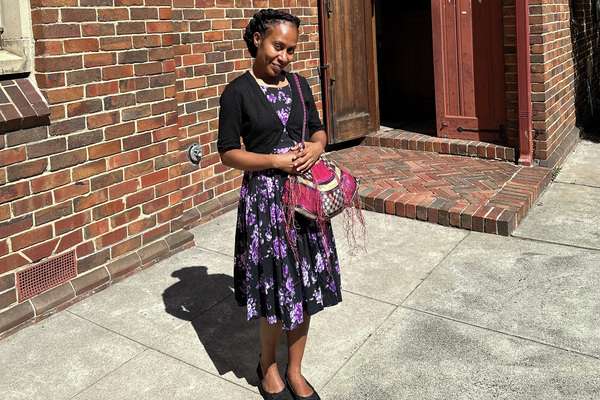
[313, 396]
[283, 395]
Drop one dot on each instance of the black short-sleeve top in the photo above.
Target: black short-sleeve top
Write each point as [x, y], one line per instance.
[245, 113]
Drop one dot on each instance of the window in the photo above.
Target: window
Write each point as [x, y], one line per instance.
[16, 42]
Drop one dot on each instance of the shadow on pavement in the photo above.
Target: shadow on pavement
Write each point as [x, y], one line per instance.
[206, 300]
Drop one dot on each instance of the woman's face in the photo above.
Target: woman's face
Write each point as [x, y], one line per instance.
[276, 48]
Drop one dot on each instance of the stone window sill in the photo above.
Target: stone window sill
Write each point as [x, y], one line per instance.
[11, 63]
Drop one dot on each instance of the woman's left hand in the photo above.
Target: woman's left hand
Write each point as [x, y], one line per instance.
[308, 156]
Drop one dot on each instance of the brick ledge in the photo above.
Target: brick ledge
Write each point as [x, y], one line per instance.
[21, 106]
[399, 139]
[211, 209]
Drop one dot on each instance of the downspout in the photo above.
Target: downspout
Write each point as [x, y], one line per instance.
[524, 84]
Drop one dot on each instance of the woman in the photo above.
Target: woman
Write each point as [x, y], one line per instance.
[282, 278]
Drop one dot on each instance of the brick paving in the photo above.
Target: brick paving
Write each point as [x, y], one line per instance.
[476, 194]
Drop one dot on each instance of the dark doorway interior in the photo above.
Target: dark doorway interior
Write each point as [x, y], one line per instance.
[405, 65]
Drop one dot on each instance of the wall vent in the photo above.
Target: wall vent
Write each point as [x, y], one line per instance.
[46, 275]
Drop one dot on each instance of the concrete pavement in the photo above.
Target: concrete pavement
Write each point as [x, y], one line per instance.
[429, 312]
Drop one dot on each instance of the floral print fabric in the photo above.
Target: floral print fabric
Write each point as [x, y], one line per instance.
[281, 100]
[270, 279]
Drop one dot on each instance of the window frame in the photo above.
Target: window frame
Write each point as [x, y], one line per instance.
[17, 44]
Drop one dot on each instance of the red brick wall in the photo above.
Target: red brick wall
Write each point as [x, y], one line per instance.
[553, 93]
[130, 84]
[553, 89]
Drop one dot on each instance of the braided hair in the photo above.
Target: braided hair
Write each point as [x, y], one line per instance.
[262, 21]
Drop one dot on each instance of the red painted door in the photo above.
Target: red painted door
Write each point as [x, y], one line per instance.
[469, 69]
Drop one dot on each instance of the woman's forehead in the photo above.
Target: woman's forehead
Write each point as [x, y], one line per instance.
[283, 31]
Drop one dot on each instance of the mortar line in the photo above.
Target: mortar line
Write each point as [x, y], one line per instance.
[513, 335]
[488, 201]
[378, 327]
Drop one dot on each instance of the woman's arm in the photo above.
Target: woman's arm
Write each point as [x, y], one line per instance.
[248, 161]
[319, 137]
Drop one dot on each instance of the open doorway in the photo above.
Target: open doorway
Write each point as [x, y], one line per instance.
[405, 65]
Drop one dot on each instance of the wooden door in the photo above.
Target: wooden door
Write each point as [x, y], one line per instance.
[469, 69]
[348, 68]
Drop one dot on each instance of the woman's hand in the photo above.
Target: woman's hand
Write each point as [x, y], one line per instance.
[287, 161]
[308, 156]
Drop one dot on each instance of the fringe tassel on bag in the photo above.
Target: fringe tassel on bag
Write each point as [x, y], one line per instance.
[320, 194]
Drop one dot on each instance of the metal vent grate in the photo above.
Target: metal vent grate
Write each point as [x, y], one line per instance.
[46, 275]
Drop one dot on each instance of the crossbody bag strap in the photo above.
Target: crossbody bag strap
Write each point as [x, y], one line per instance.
[297, 80]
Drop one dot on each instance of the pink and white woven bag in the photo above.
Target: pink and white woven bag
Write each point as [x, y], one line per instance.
[325, 190]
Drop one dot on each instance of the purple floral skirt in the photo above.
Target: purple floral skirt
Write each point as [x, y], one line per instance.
[271, 280]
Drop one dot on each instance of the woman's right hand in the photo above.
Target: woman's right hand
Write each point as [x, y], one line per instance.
[286, 161]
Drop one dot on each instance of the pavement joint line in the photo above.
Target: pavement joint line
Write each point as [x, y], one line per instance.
[109, 329]
[360, 346]
[108, 373]
[435, 267]
[574, 246]
[148, 347]
[214, 305]
[214, 251]
[203, 370]
[577, 184]
[137, 341]
[378, 327]
[364, 296]
[513, 335]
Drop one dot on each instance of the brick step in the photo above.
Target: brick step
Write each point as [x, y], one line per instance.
[400, 139]
[470, 193]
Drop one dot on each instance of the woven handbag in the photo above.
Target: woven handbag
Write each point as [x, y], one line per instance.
[325, 190]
